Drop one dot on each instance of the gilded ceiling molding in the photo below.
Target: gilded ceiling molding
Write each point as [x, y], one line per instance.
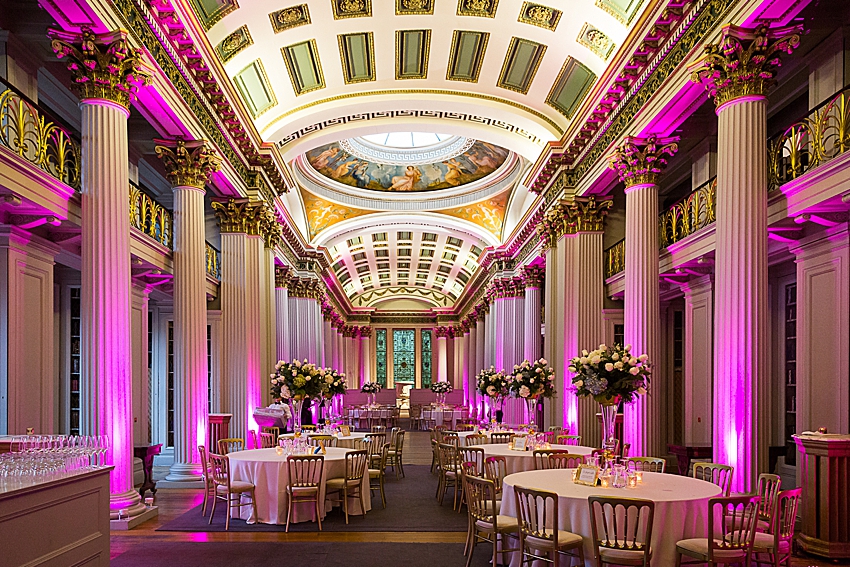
[351, 9]
[480, 8]
[234, 43]
[596, 41]
[281, 277]
[187, 163]
[532, 276]
[271, 227]
[414, 7]
[588, 215]
[640, 161]
[102, 66]
[489, 214]
[745, 61]
[240, 216]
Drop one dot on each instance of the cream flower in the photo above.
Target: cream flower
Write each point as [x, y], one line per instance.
[609, 367]
[618, 365]
[634, 370]
[578, 383]
[643, 358]
[641, 391]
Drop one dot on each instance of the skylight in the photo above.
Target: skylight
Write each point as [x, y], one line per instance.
[406, 139]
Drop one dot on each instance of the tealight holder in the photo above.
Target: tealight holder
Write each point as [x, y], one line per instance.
[604, 482]
[278, 450]
[632, 480]
[639, 476]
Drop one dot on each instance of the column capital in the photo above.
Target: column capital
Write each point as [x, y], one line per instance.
[507, 287]
[365, 332]
[103, 66]
[588, 215]
[281, 276]
[239, 216]
[532, 276]
[306, 288]
[442, 332]
[270, 227]
[640, 161]
[187, 163]
[744, 62]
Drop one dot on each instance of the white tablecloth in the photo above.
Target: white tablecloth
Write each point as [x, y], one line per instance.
[681, 507]
[344, 442]
[269, 474]
[519, 461]
[443, 417]
[462, 435]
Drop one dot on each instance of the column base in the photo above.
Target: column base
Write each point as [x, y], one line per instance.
[129, 501]
[185, 472]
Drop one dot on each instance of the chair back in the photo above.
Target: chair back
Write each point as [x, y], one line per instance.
[319, 440]
[275, 431]
[448, 455]
[549, 436]
[356, 464]
[398, 445]
[475, 439]
[646, 464]
[230, 445]
[205, 463]
[623, 524]
[784, 515]
[768, 490]
[563, 460]
[473, 455]
[465, 427]
[450, 437]
[308, 427]
[305, 471]
[501, 437]
[393, 434]
[556, 429]
[496, 469]
[379, 429]
[574, 440]
[738, 517]
[267, 440]
[382, 462]
[415, 412]
[536, 509]
[721, 475]
[541, 458]
[252, 437]
[376, 441]
[220, 467]
[480, 499]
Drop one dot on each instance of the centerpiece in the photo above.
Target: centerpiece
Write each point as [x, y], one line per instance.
[296, 381]
[441, 389]
[531, 381]
[372, 389]
[494, 386]
[333, 389]
[610, 375]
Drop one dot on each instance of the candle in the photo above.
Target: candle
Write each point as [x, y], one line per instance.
[632, 480]
[639, 476]
[278, 450]
[605, 482]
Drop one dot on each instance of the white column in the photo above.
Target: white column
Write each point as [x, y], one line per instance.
[269, 314]
[327, 340]
[284, 323]
[140, 297]
[532, 338]
[366, 353]
[442, 349]
[471, 363]
[257, 375]
[699, 320]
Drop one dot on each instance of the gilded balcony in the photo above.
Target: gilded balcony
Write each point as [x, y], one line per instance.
[694, 212]
[614, 259]
[150, 217]
[38, 137]
[821, 135]
[213, 257]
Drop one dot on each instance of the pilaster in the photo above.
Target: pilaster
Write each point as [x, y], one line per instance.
[699, 322]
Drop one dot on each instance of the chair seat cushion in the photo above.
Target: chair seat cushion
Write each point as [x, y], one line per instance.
[375, 473]
[765, 542]
[616, 556]
[735, 522]
[235, 486]
[505, 523]
[338, 483]
[565, 539]
[698, 547]
[302, 490]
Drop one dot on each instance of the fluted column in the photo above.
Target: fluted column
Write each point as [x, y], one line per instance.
[739, 72]
[532, 279]
[105, 72]
[284, 324]
[461, 340]
[441, 345]
[188, 165]
[471, 362]
[562, 408]
[699, 316]
[327, 340]
[479, 346]
[365, 334]
[639, 163]
[271, 237]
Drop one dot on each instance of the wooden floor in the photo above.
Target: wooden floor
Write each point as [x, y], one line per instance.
[175, 502]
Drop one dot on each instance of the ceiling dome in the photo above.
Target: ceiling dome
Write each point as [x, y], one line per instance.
[407, 162]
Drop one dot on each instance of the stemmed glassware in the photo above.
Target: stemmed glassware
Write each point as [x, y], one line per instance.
[34, 458]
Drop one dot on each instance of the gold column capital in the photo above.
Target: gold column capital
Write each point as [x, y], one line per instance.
[187, 163]
[640, 161]
[744, 62]
[103, 66]
[532, 276]
[588, 214]
[270, 227]
[239, 216]
[281, 276]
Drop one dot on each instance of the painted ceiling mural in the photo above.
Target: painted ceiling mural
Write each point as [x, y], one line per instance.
[322, 213]
[489, 214]
[478, 161]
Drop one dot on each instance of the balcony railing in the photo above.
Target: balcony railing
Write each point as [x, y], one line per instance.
[150, 217]
[614, 259]
[36, 136]
[689, 215]
[213, 262]
[821, 135]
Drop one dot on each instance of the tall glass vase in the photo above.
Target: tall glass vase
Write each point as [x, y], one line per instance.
[609, 443]
[295, 406]
[531, 404]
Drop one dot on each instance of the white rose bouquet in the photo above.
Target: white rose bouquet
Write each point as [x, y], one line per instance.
[334, 383]
[610, 374]
[492, 384]
[441, 387]
[532, 380]
[297, 380]
[370, 388]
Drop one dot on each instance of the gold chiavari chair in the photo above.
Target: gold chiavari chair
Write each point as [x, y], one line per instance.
[574, 440]
[496, 469]
[209, 486]
[267, 440]
[230, 491]
[475, 439]
[378, 474]
[473, 455]
[415, 413]
[305, 478]
[230, 445]
[731, 541]
[351, 485]
[319, 440]
[721, 475]
[449, 472]
[395, 454]
[501, 437]
[626, 535]
[484, 523]
[646, 464]
[562, 460]
[465, 427]
[536, 508]
[777, 544]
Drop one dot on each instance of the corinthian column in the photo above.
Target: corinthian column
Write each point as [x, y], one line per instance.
[639, 163]
[281, 279]
[242, 372]
[532, 279]
[188, 166]
[271, 233]
[366, 353]
[105, 73]
[738, 72]
[442, 345]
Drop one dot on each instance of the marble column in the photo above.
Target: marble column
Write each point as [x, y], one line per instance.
[639, 163]
[471, 362]
[188, 165]
[532, 279]
[563, 407]
[742, 399]
[480, 333]
[241, 248]
[365, 334]
[699, 319]
[442, 348]
[105, 72]
[284, 324]
[268, 285]
[461, 342]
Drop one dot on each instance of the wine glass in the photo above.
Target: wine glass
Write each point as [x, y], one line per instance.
[103, 446]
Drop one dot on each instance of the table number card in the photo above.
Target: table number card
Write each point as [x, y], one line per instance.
[520, 443]
[345, 430]
[586, 475]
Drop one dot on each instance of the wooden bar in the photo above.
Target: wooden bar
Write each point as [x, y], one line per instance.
[58, 522]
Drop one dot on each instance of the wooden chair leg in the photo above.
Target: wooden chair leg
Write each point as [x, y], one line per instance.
[227, 518]
[213, 508]
[383, 496]
[345, 500]
[206, 494]
[363, 500]
[254, 506]
[288, 511]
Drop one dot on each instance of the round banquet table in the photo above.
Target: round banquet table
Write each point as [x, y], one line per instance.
[462, 435]
[346, 442]
[519, 461]
[681, 507]
[269, 474]
[447, 417]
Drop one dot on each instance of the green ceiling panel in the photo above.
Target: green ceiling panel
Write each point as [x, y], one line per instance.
[467, 54]
[254, 87]
[412, 48]
[302, 63]
[521, 63]
[623, 10]
[358, 57]
[211, 12]
[572, 84]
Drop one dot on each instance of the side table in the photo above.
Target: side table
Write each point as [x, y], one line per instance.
[146, 454]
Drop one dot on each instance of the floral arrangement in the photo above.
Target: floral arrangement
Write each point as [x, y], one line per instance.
[492, 383]
[370, 388]
[532, 380]
[297, 380]
[441, 387]
[334, 383]
[610, 374]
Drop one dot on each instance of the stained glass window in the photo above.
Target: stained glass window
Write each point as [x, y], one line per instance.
[426, 358]
[381, 356]
[404, 356]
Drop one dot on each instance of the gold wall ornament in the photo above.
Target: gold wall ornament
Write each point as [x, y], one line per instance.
[290, 17]
[614, 259]
[588, 215]
[744, 62]
[45, 144]
[596, 41]
[414, 7]
[240, 216]
[532, 276]
[150, 217]
[231, 45]
[689, 215]
[351, 8]
[640, 161]
[481, 8]
[365, 332]
[103, 66]
[213, 261]
[281, 276]
[539, 15]
[188, 163]
[507, 287]
[270, 227]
